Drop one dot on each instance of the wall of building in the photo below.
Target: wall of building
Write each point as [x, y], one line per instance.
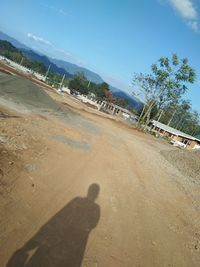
[192, 144]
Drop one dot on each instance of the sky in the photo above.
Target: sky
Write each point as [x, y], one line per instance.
[114, 38]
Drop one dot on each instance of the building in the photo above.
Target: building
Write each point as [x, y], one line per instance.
[177, 137]
[107, 107]
[116, 110]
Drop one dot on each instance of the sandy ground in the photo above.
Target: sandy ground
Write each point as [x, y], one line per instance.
[139, 211]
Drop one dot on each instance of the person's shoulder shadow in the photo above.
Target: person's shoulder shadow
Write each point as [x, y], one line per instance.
[62, 240]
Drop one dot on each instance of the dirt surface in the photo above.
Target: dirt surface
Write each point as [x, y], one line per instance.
[87, 190]
[23, 92]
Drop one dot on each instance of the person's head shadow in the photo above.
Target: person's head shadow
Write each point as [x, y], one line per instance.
[93, 192]
[61, 242]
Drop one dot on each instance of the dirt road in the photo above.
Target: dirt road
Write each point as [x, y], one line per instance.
[139, 210]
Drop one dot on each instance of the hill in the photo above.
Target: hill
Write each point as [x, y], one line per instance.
[133, 101]
[13, 41]
[32, 55]
[73, 68]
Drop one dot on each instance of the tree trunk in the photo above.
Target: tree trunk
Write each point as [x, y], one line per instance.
[141, 114]
[148, 110]
[172, 117]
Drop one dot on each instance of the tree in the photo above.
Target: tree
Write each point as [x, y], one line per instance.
[79, 83]
[109, 96]
[165, 85]
[182, 117]
[101, 90]
[79, 76]
[122, 102]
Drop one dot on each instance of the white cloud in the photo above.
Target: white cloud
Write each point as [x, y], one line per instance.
[38, 39]
[188, 11]
[185, 8]
[62, 12]
[194, 25]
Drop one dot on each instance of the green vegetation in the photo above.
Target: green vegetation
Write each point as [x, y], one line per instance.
[163, 90]
[101, 91]
[182, 117]
[9, 51]
[80, 84]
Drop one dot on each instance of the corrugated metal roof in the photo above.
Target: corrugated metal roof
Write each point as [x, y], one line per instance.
[173, 131]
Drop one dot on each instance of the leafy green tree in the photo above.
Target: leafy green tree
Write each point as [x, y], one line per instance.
[122, 102]
[101, 90]
[182, 117]
[79, 83]
[165, 85]
[79, 76]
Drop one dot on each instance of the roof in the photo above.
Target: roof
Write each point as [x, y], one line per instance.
[174, 131]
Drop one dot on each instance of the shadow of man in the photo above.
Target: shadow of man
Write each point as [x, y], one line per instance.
[61, 242]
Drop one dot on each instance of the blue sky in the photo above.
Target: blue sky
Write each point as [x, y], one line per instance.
[114, 38]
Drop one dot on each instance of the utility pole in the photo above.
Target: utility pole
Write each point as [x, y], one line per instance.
[47, 72]
[21, 61]
[60, 87]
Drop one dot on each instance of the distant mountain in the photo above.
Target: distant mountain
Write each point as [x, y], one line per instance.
[69, 69]
[13, 41]
[73, 68]
[94, 77]
[133, 101]
[32, 55]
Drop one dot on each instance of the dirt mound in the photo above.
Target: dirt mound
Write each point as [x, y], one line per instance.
[188, 162]
[23, 92]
